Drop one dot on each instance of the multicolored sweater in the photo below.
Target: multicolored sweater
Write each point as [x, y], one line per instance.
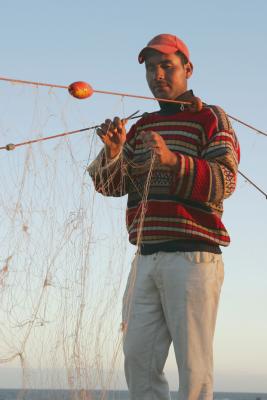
[183, 208]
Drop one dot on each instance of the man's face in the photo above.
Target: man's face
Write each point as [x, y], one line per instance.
[166, 75]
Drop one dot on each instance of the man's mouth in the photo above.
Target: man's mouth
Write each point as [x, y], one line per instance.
[161, 87]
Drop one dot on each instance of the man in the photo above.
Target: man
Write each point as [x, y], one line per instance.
[177, 166]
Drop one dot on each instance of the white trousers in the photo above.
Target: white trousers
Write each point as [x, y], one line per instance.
[171, 297]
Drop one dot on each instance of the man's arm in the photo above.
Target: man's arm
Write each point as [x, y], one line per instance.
[109, 171]
[210, 177]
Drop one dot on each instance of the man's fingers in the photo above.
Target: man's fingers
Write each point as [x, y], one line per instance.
[106, 126]
[103, 128]
[108, 122]
[111, 131]
[151, 141]
[119, 124]
[149, 135]
[99, 132]
[102, 136]
[112, 126]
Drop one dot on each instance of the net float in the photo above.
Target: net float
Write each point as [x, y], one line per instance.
[80, 90]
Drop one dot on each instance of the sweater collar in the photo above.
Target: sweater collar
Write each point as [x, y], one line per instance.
[172, 108]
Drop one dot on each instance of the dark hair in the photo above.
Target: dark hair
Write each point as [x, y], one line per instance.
[182, 57]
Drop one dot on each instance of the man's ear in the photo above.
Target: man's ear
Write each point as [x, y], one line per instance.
[189, 69]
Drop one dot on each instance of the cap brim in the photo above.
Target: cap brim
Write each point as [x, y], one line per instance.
[161, 48]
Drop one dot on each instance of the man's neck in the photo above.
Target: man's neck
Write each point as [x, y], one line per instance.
[171, 108]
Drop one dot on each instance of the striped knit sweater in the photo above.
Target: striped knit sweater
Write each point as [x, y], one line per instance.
[181, 207]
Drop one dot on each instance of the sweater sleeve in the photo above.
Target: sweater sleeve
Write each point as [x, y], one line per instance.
[111, 177]
[211, 177]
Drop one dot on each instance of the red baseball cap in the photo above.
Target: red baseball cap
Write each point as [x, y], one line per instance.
[166, 44]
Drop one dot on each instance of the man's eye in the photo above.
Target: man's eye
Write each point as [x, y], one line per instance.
[166, 66]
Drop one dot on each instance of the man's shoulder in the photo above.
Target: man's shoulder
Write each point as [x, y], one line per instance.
[216, 115]
[215, 109]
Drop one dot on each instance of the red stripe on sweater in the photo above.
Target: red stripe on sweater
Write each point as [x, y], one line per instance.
[174, 210]
[201, 187]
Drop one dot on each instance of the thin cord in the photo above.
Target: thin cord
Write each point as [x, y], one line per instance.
[52, 85]
[12, 146]
[247, 125]
[253, 184]
[125, 95]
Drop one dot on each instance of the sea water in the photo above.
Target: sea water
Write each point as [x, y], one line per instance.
[13, 394]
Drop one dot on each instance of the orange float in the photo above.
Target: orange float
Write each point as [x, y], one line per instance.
[80, 90]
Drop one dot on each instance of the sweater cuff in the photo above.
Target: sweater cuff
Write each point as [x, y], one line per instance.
[101, 162]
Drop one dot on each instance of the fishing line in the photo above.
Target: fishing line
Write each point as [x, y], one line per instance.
[86, 91]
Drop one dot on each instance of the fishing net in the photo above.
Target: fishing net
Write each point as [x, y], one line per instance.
[65, 254]
[64, 249]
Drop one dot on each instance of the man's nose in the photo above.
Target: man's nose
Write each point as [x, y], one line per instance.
[158, 74]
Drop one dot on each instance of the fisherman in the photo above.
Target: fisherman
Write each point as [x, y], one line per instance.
[176, 166]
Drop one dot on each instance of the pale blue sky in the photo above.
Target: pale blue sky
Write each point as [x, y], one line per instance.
[98, 41]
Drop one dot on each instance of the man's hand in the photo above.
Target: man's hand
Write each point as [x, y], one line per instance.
[113, 134]
[152, 140]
